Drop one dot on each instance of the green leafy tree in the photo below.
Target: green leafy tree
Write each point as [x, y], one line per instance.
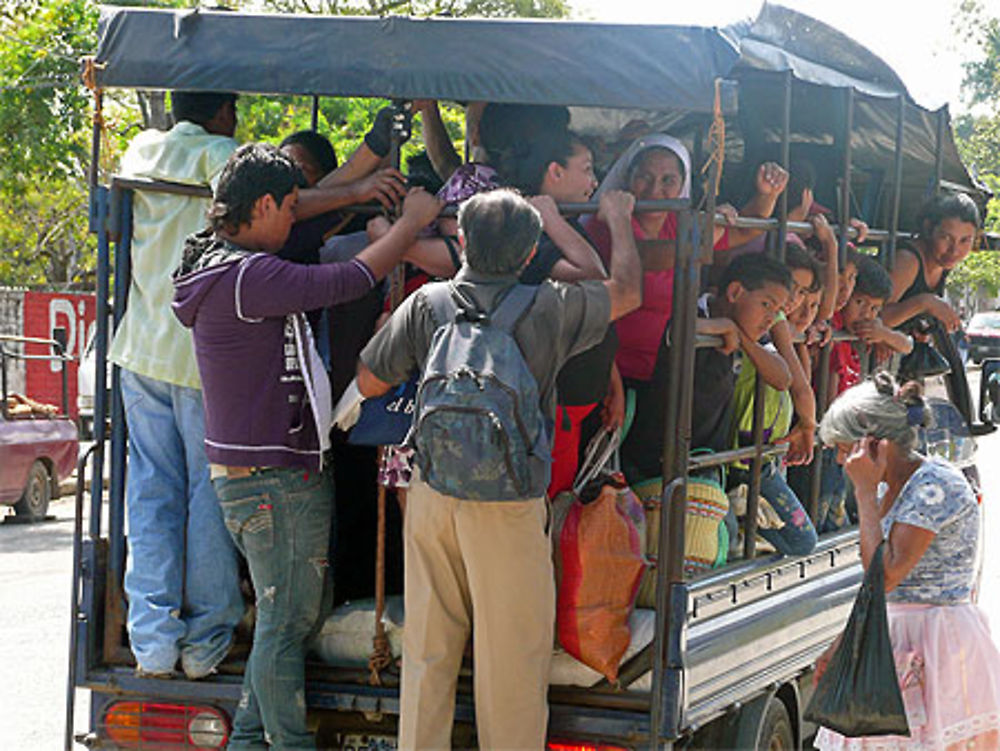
[45, 118]
[44, 140]
[487, 8]
[978, 138]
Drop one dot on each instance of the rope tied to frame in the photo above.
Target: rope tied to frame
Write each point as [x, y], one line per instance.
[717, 141]
[381, 656]
[89, 77]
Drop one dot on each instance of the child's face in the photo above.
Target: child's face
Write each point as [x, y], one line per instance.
[271, 223]
[754, 310]
[575, 181]
[802, 280]
[802, 317]
[845, 284]
[861, 307]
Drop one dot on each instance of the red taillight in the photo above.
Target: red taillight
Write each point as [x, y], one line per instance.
[581, 746]
[159, 725]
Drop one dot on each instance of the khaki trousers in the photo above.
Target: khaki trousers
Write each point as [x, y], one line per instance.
[484, 566]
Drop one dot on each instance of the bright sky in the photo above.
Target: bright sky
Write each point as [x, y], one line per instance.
[926, 51]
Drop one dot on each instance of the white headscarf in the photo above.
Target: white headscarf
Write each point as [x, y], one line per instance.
[617, 177]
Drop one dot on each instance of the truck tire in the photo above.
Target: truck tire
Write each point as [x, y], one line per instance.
[776, 728]
[34, 503]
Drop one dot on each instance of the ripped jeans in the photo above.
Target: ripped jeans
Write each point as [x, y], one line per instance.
[281, 520]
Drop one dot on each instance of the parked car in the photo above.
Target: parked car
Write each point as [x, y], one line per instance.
[38, 448]
[983, 335]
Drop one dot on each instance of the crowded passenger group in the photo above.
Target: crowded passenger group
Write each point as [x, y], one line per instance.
[242, 335]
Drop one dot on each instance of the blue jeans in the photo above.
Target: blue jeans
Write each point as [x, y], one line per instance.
[182, 580]
[797, 536]
[281, 520]
[834, 491]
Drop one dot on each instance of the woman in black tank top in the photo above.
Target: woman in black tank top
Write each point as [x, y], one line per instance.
[948, 227]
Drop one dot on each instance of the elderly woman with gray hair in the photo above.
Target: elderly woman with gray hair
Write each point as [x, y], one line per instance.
[928, 515]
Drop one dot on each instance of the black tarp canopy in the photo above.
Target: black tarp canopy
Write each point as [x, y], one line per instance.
[663, 75]
[823, 62]
[532, 62]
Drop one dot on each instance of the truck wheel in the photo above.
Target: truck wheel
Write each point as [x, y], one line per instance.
[34, 503]
[776, 728]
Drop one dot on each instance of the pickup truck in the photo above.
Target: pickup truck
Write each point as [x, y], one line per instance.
[725, 659]
[38, 446]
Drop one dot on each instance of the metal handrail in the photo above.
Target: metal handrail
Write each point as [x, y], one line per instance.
[803, 229]
[59, 356]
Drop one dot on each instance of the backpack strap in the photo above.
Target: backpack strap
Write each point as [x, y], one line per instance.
[442, 301]
[513, 305]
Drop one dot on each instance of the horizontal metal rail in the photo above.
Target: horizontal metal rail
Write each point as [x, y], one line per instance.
[707, 341]
[803, 229]
[718, 458]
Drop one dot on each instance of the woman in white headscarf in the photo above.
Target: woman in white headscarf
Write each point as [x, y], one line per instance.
[654, 168]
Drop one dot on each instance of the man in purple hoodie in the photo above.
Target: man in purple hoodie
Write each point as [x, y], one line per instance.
[268, 412]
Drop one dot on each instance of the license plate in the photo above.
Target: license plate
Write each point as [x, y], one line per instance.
[369, 743]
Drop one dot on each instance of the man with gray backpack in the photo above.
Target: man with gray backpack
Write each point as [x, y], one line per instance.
[476, 552]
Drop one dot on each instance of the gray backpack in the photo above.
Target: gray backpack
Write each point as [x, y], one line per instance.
[478, 429]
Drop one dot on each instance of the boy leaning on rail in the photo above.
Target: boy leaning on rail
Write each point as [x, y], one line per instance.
[267, 412]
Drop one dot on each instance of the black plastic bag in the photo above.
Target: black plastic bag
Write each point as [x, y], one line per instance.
[923, 362]
[859, 695]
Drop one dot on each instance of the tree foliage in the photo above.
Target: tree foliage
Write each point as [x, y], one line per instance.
[979, 271]
[455, 8]
[45, 114]
[44, 140]
[978, 136]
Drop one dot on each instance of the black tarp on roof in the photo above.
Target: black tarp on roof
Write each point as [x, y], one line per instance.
[533, 62]
[823, 63]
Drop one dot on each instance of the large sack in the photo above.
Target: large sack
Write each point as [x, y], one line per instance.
[345, 639]
[599, 563]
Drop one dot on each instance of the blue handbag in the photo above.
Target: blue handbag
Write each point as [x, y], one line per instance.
[385, 420]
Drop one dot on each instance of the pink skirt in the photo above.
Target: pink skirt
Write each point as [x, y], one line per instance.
[949, 670]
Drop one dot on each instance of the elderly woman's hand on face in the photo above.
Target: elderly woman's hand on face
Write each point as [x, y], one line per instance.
[866, 465]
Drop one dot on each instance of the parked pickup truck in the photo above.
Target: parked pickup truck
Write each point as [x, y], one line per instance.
[38, 444]
[725, 658]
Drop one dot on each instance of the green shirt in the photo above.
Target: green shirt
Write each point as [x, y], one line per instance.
[778, 409]
[150, 340]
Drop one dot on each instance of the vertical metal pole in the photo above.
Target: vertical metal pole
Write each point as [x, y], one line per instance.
[815, 475]
[897, 182]
[667, 665]
[101, 357]
[62, 373]
[753, 491]
[845, 185]
[786, 126]
[116, 492]
[95, 148]
[314, 119]
[942, 121]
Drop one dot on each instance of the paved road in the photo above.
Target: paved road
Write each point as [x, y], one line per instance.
[35, 566]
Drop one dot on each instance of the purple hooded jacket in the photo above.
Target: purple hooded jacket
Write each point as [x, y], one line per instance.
[252, 344]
